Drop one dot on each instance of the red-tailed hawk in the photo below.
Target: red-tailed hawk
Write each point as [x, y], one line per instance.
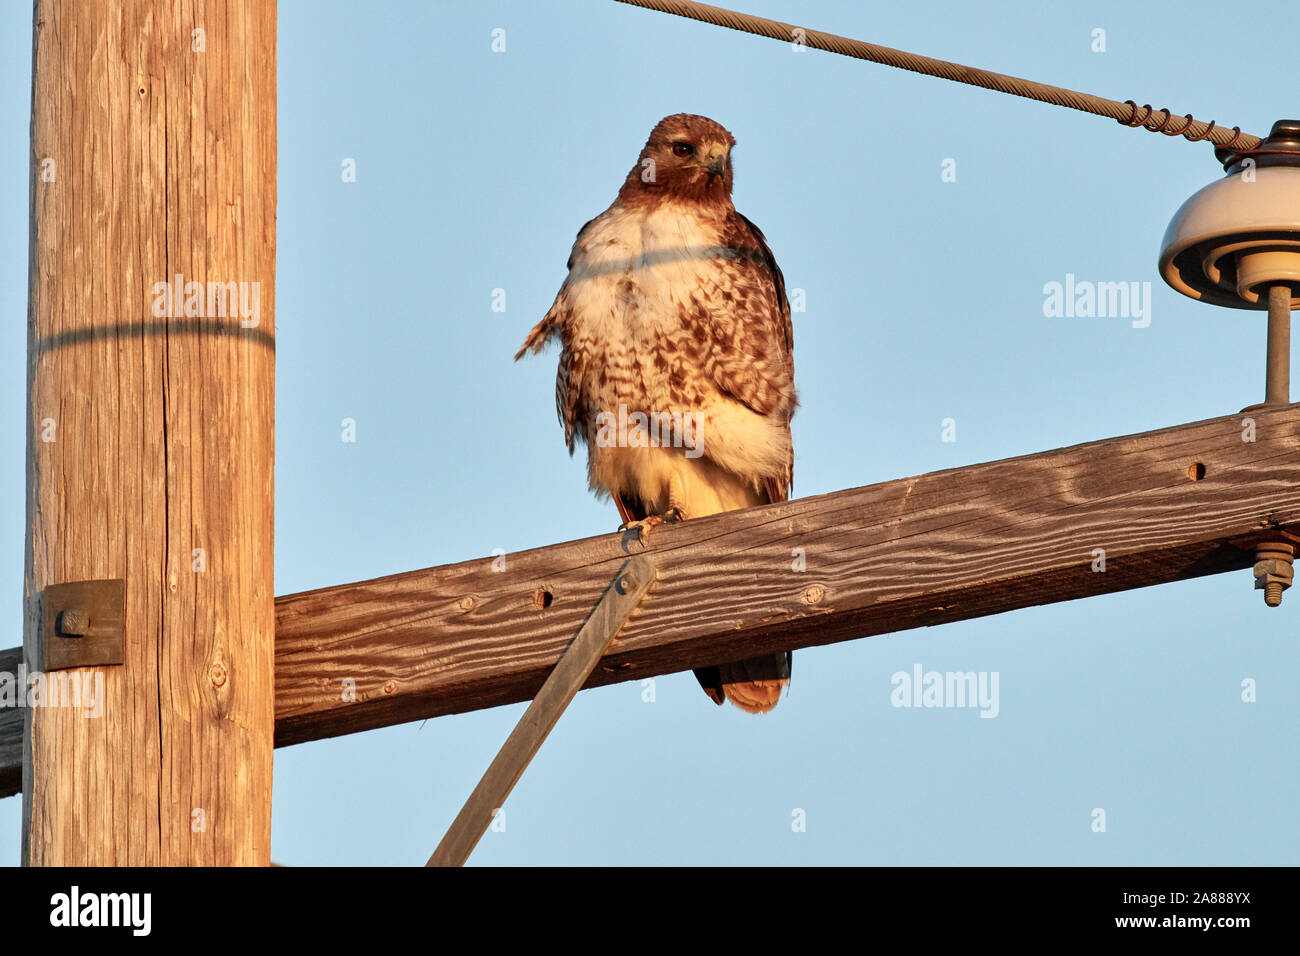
[677, 367]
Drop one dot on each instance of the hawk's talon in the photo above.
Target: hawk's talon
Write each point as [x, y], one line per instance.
[642, 527]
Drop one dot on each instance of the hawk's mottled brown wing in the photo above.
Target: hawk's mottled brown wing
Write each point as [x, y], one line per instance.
[765, 335]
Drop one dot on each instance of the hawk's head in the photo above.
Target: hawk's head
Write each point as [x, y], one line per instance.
[687, 157]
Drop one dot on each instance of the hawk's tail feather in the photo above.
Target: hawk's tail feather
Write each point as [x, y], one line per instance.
[710, 679]
[753, 685]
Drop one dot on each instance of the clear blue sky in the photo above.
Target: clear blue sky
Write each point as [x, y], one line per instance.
[924, 302]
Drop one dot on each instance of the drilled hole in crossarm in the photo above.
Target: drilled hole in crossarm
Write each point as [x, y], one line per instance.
[542, 599]
[1196, 471]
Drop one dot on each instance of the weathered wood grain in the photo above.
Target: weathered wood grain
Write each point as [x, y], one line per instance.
[941, 547]
[150, 428]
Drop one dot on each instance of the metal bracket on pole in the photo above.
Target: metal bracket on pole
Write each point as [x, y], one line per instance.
[82, 624]
[575, 665]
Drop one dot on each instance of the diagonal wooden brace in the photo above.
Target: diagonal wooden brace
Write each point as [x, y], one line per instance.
[575, 665]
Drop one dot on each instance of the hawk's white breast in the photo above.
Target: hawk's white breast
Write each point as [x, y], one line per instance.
[636, 275]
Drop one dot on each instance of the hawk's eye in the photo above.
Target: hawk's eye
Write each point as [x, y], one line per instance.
[683, 149]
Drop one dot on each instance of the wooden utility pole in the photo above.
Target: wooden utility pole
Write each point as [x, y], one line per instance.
[150, 440]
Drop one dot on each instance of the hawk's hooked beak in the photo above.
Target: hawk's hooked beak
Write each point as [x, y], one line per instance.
[715, 161]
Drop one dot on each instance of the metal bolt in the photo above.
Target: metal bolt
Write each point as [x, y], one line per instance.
[73, 622]
[1277, 385]
[1274, 570]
